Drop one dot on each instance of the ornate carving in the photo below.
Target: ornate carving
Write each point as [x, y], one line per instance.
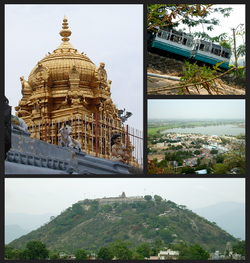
[40, 74]
[102, 74]
[74, 73]
[108, 86]
[26, 88]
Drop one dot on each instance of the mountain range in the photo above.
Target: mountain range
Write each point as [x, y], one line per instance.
[230, 216]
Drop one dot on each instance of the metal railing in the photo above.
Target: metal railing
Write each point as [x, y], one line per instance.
[94, 132]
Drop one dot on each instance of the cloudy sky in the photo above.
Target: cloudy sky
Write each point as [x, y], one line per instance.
[39, 196]
[197, 108]
[103, 32]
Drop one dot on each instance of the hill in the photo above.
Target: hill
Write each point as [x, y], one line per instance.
[13, 232]
[90, 224]
[18, 224]
[228, 215]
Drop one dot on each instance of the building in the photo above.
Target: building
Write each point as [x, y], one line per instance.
[120, 199]
[66, 86]
[169, 254]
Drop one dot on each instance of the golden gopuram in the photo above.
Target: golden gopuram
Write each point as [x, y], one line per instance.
[66, 86]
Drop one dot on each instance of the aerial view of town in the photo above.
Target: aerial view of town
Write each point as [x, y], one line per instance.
[196, 145]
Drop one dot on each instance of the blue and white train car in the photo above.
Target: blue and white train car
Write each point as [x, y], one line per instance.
[210, 53]
[173, 41]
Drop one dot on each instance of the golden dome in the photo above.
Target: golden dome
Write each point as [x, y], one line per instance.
[60, 62]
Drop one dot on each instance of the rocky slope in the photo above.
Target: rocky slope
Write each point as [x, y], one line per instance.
[160, 65]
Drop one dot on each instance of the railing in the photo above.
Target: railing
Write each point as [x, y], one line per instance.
[94, 132]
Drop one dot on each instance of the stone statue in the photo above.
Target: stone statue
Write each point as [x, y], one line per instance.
[118, 151]
[26, 88]
[108, 86]
[66, 140]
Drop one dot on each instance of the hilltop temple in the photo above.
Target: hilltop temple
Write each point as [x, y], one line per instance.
[66, 86]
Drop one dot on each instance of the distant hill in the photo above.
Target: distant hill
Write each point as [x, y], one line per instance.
[13, 232]
[27, 221]
[89, 225]
[230, 216]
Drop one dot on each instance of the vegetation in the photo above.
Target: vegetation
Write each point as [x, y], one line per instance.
[190, 15]
[128, 231]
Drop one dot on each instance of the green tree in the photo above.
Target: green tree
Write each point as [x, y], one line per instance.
[122, 250]
[197, 252]
[105, 253]
[240, 248]
[214, 151]
[138, 256]
[163, 14]
[188, 170]
[148, 197]
[197, 152]
[81, 254]
[157, 198]
[144, 249]
[107, 208]
[220, 168]
[36, 250]
[54, 256]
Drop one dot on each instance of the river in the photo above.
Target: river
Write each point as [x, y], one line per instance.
[210, 130]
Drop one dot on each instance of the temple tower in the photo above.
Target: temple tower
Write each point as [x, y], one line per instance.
[66, 86]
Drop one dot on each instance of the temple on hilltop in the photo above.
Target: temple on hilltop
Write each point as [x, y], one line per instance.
[67, 87]
[120, 199]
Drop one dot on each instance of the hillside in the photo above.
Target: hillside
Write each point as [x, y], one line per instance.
[161, 65]
[89, 225]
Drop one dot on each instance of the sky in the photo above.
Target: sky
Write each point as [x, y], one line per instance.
[53, 195]
[237, 16]
[100, 31]
[196, 108]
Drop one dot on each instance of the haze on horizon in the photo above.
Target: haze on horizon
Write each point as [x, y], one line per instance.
[196, 109]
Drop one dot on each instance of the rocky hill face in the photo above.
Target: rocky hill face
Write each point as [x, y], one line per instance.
[161, 65]
[89, 225]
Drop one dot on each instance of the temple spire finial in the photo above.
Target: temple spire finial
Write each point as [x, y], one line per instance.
[65, 32]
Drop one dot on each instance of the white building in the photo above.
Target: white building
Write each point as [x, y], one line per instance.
[169, 254]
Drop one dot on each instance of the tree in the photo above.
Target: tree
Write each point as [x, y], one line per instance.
[236, 159]
[36, 250]
[188, 170]
[220, 168]
[197, 252]
[81, 254]
[144, 249]
[158, 245]
[197, 152]
[157, 198]
[107, 208]
[191, 15]
[54, 256]
[148, 197]
[121, 249]
[105, 253]
[240, 248]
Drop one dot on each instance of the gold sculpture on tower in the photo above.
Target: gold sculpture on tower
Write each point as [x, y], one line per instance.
[66, 86]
